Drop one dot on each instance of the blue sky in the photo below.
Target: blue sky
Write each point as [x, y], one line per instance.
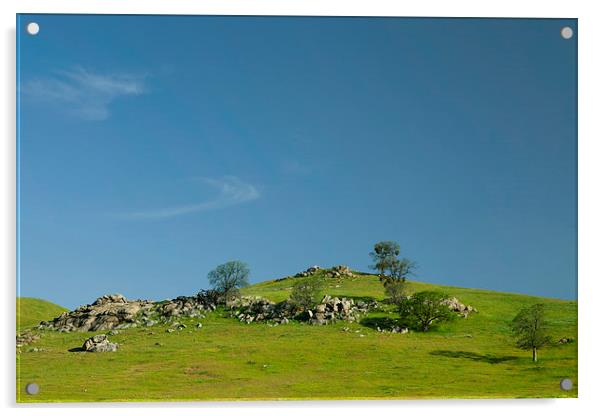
[154, 148]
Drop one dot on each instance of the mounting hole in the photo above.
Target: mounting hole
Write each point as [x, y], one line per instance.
[33, 28]
[566, 32]
[566, 384]
[32, 388]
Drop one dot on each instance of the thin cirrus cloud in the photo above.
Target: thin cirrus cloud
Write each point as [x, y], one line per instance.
[82, 93]
[231, 191]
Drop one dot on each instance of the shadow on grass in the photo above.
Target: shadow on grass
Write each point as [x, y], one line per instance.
[363, 273]
[486, 358]
[357, 298]
[77, 349]
[382, 322]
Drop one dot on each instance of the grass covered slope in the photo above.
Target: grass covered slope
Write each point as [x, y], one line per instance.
[229, 360]
[30, 311]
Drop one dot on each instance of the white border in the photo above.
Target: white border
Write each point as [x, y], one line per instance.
[590, 201]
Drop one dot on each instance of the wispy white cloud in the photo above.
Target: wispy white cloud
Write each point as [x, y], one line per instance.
[231, 191]
[82, 93]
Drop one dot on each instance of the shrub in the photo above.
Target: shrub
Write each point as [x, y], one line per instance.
[395, 290]
[305, 292]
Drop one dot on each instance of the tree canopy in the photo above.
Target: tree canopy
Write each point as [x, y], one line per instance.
[402, 268]
[423, 309]
[384, 255]
[530, 328]
[227, 278]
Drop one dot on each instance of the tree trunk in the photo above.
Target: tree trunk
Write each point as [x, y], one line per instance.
[534, 354]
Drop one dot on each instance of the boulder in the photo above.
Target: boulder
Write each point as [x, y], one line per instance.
[456, 306]
[99, 343]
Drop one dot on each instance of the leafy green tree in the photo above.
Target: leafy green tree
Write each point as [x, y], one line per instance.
[530, 329]
[229, 277]
[423, 309]
[305, 292]
[384, 255]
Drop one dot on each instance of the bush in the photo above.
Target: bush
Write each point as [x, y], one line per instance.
[395, 291]
[305, 293]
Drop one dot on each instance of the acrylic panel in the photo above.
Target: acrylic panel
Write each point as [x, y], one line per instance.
[295, 208]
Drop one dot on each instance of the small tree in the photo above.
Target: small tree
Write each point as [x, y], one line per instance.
[305, 292]
[395, 290]
[384, 255]
[227, 278]
[395, 283]
[530, 329]
[423, 309]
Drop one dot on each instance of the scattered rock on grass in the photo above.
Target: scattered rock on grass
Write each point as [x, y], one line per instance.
[99, 343]
[26, 338]
[393, 330]
[455, 305]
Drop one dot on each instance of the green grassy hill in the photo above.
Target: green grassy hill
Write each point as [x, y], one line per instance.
[229, 360]
[30, 311]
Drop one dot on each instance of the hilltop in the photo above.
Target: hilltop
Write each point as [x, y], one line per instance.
[30, 311]
[226, 359]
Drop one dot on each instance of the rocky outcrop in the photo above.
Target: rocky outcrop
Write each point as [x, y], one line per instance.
[334, 272]
[456, 306]
[339, 272]
[106, 312]
[256, 309]
[116, 312]
[192, 306]
[331, 309]
[99, 343]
